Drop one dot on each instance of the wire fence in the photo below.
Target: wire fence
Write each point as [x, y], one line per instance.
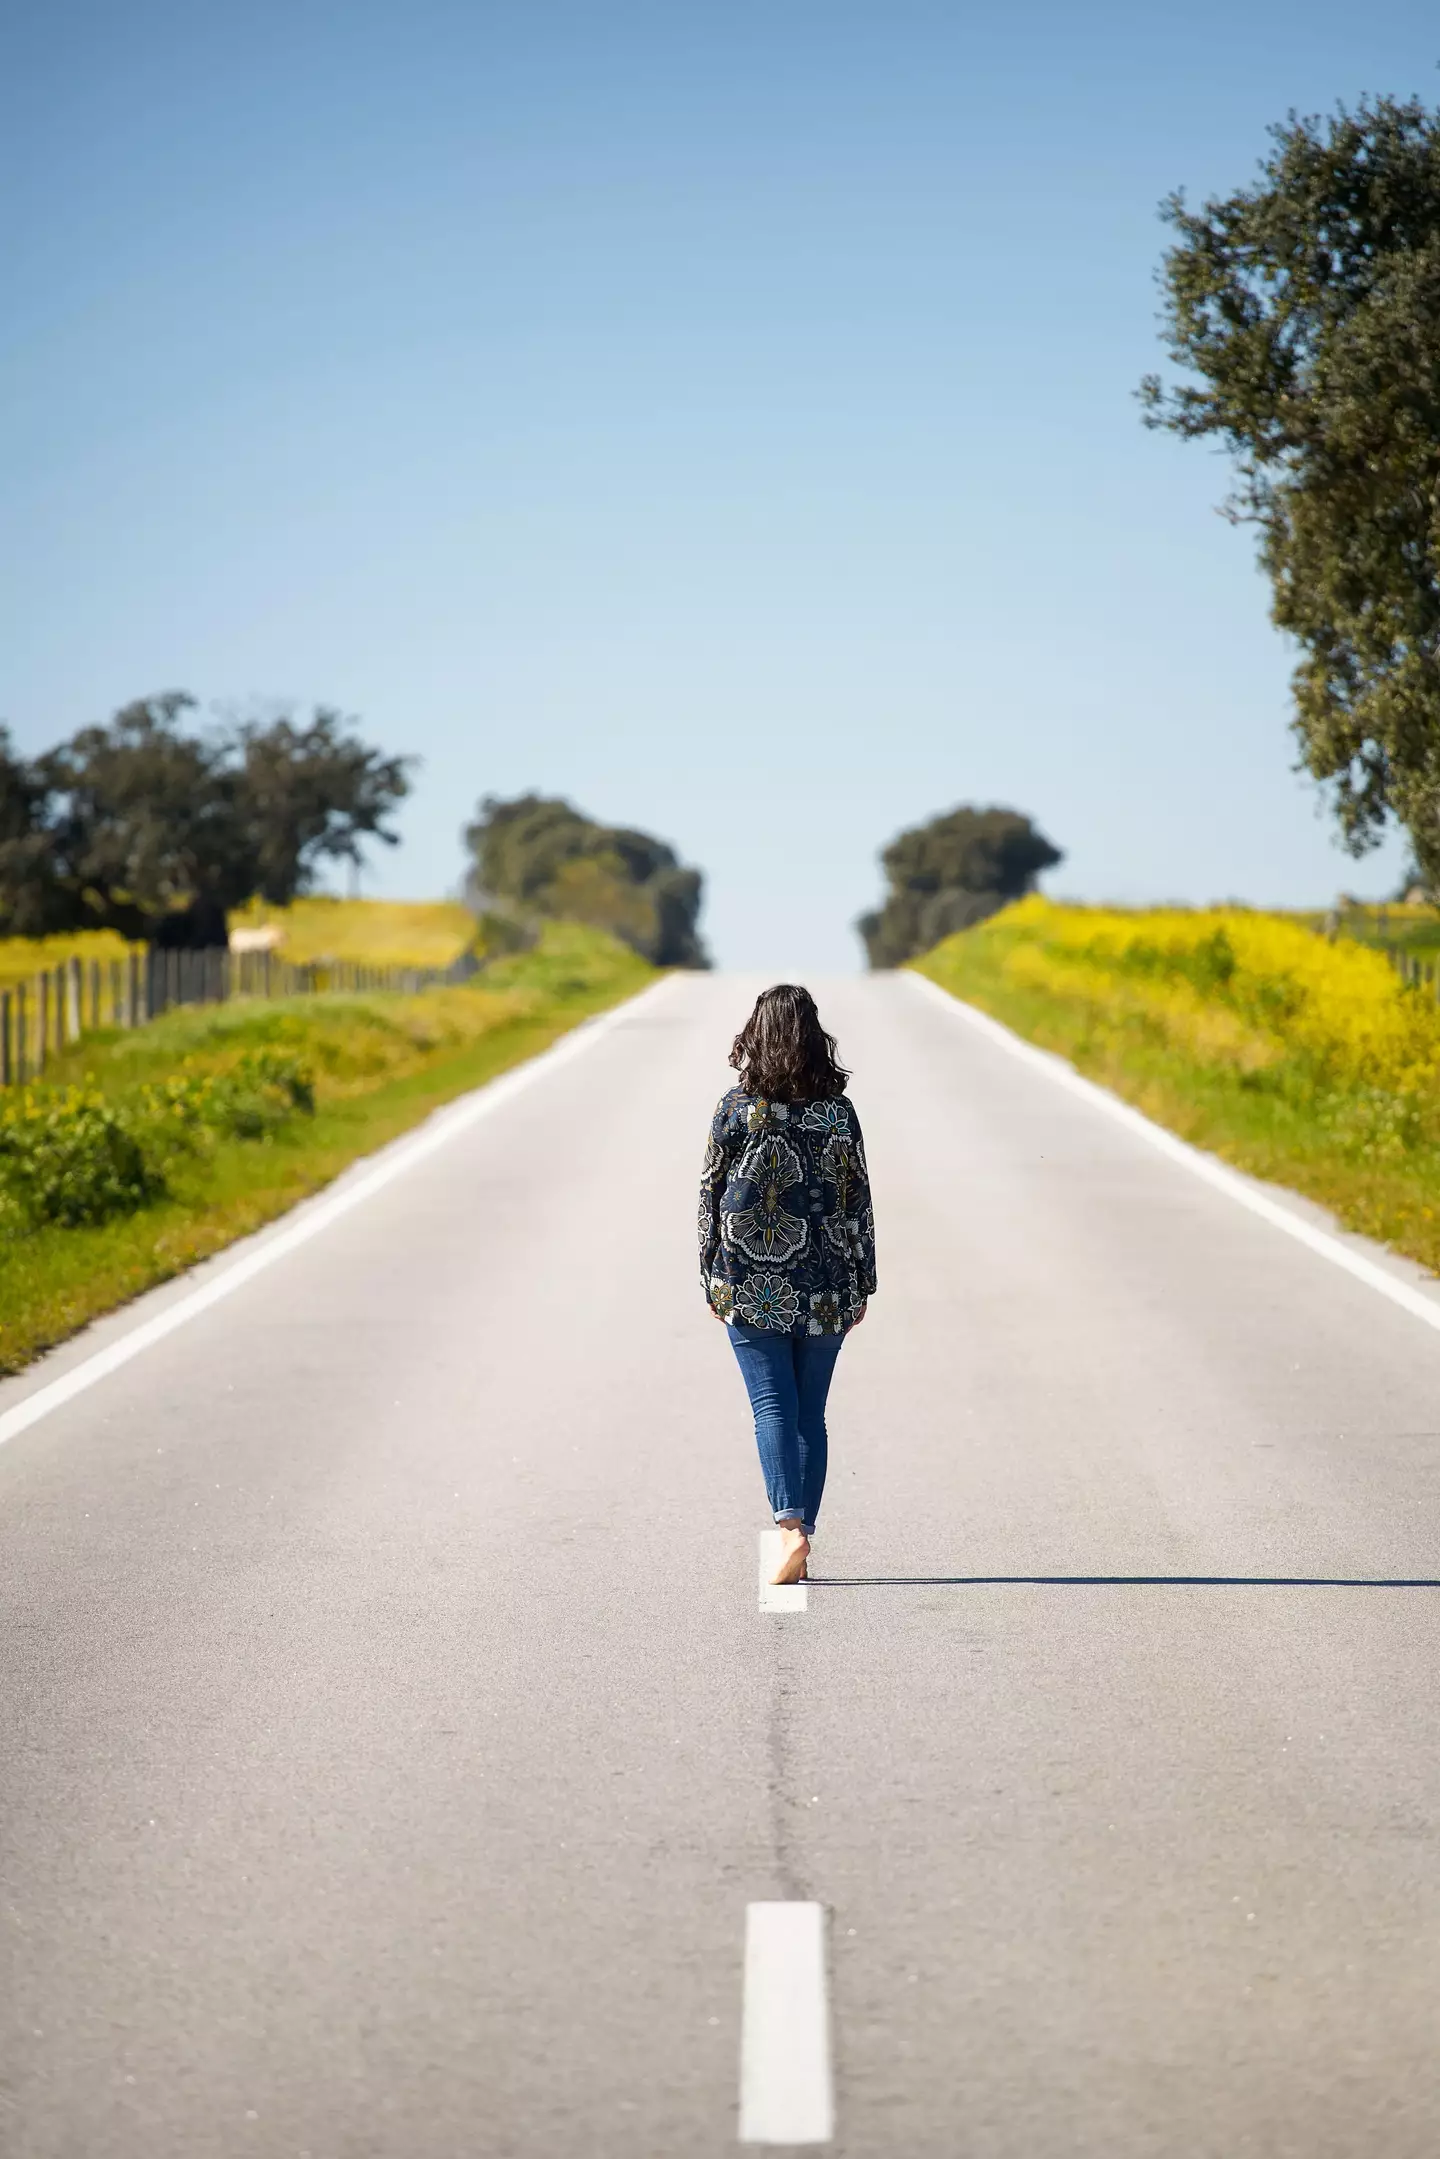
[1413, 967]
[1424, 974]
[53, 1010]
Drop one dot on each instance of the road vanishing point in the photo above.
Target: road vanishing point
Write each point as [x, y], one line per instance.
[400, 1758]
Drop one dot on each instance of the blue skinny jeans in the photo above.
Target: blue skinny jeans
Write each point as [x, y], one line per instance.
[787, 1377]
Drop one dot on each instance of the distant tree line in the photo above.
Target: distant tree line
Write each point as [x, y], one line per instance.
[950, 874]
[156, 829]
[537, 856]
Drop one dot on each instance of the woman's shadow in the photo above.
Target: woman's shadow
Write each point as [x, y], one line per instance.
[1121, 1581]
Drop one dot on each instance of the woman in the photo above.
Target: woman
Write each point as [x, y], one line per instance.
[787, 1244]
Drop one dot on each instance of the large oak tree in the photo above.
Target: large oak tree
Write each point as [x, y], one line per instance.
[536, 855]
[156, 828]
[1306, 311]
[950, 874]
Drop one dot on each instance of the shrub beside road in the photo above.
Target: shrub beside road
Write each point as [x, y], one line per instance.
[1307, 1062]
[146, 1150]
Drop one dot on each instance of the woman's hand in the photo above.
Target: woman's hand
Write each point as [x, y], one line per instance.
[859, 1316]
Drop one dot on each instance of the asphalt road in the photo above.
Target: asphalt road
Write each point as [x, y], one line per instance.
[393, 1744]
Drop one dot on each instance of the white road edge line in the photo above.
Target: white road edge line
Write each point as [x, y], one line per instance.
[777, 1596]
[786, 2094]
[394, 1161]
[1201, 1165]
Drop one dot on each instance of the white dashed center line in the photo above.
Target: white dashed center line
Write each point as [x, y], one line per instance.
[785, 2087]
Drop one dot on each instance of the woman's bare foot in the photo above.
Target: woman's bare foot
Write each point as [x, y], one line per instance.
[794, 1555]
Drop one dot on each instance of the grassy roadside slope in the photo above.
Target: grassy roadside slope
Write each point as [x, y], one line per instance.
[380, 1065]
[1309, 1064]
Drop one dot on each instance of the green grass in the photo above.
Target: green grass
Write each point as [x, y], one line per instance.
[1270, 1123]
[381, 1064]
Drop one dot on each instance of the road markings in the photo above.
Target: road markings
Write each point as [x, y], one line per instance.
[786, 2095]
[777, 1596]
[1204, 1166]
[317, 1216]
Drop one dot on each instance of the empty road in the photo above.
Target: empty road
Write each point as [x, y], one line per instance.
[394, 1745]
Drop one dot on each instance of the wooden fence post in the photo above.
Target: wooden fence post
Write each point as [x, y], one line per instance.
[72, 1001]
[7, 1070]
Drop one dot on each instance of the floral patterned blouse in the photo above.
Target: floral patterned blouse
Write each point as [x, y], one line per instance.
[787, 1232]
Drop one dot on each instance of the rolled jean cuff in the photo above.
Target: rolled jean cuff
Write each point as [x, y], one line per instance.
[794, 1518]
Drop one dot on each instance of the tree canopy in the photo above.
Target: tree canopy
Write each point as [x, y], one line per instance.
[948, 875]
[152, 827]
[537, 855]
[32, 903]
[1308, 307]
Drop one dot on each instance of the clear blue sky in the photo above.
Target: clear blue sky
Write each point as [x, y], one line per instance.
[721, 416]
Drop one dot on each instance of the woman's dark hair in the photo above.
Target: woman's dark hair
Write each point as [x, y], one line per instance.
[783, 1053]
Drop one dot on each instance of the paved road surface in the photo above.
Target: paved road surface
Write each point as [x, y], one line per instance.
[393, 1744]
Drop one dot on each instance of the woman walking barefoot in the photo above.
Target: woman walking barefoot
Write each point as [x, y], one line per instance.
[787, 1244]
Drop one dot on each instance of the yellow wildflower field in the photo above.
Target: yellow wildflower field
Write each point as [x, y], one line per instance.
[1235, 986]
[1309, 1061]
[376, 933]
[23, 957]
